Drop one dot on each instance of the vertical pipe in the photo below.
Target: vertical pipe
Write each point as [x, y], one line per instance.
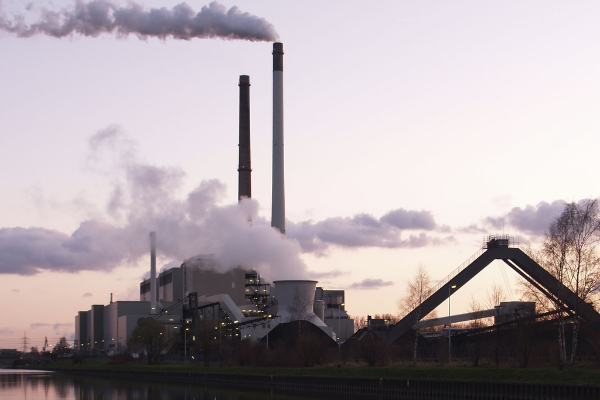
[278, 200]
[152, 272]
[244, 169]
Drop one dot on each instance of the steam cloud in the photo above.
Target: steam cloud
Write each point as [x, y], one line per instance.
[181, 22]
[144, 198]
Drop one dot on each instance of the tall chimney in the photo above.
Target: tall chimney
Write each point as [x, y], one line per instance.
[152, 273]
[278, 203]
[244, 169]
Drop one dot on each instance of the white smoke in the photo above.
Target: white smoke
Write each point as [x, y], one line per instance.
[143, 200]
[180, 22]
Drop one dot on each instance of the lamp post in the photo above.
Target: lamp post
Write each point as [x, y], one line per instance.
[185, 344]
[340, 330]
[450, 326]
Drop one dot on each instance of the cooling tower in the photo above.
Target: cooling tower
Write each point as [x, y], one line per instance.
[278, 200]
[244, 170]
[295, 301]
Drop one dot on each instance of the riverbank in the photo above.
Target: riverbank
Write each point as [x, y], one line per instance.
[537, 375]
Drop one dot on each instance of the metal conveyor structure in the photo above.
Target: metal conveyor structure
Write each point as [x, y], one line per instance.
[497, 248]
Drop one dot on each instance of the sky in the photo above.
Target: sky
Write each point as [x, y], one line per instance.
[412, 131]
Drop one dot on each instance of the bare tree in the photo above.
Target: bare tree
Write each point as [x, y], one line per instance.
[152, 336]
[476, 309]
[584, 232]
[418, 290]
[569, 253]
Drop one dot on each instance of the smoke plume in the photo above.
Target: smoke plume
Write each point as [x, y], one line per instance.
[180, 22]
[146, 198]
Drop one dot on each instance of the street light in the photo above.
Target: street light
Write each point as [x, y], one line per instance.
[185, 344]
[340, 330]
[450, 326]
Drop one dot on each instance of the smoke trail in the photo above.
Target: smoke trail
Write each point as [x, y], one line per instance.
[181, 22]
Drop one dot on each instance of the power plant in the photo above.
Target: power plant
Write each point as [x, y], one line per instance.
[200, 296]
[239, 301]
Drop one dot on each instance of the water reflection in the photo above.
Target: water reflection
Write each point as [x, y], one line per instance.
[38, 385]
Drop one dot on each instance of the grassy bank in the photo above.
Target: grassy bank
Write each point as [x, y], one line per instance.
[548, 375]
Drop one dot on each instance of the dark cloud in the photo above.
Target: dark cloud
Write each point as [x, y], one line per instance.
[6, 331]
[88, 294]
[369, 284]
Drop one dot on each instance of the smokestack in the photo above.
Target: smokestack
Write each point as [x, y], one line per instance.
[278, 203]
[152, 273]
[244, 169]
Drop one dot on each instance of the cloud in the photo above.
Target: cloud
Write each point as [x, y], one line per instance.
[145, 198]
[364, 230]
[533, 220]
[88, 294]
[409, 219]
[370, 284]
[6, 331]
[63, 325]
[181, 22]
[15, 290]
[38, 325]
[326, 274]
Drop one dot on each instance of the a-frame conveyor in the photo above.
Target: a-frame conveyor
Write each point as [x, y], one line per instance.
[498, 249]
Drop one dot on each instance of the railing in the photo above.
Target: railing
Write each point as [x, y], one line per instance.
[457, 270]
[503, 239]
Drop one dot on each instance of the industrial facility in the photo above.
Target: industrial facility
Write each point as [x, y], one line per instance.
[238, 301]
[241, 306]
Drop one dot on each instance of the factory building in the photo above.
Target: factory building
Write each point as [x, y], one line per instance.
[201, 289]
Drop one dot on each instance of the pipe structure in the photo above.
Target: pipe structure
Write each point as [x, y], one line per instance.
[244, 169]
[278, 200]
[152, 272]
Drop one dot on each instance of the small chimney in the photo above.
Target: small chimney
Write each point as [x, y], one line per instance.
[153, 273]
[278, 199]
[244, 169]
[111, 301]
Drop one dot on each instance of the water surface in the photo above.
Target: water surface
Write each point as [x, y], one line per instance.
[43, 385]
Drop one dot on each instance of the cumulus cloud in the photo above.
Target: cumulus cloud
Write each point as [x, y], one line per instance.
[364, 230]
[370, 284]
[533, 220]
[104, 17]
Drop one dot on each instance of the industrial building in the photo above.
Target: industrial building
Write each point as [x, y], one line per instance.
[200, 289]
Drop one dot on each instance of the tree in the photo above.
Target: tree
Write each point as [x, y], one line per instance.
[206, 339]
[569, 253]
[417, 291]
[152, 337]
[61, 348]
